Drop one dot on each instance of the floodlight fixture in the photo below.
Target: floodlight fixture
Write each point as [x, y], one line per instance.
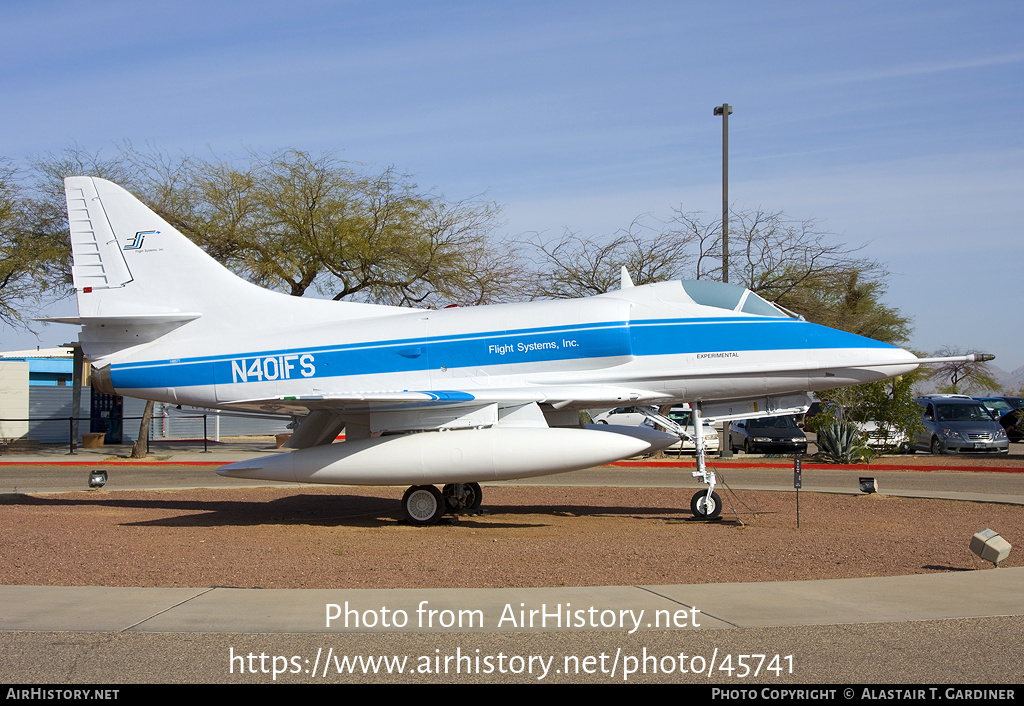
[97, 479]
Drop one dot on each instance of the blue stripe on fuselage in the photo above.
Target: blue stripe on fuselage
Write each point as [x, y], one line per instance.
[584, 341]
[668, 336]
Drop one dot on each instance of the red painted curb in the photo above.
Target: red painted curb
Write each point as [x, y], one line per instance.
[820, 466]
[114, 463]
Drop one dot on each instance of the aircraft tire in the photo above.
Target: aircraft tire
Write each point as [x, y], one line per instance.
[423, 505]
[469, 499]
[478, 496]
[704, 510]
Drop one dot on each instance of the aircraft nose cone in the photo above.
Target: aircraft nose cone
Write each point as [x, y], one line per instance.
[910, 361]
[892, 362]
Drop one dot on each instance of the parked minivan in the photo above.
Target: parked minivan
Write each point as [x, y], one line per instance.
[958, 424]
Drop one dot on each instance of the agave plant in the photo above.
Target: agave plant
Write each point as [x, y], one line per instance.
[842, 442]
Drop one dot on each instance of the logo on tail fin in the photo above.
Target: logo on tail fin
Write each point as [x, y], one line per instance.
[137, 240]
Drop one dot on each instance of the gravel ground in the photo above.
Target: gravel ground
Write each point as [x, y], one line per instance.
[329, 537]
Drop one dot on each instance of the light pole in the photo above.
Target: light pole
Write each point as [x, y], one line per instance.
[725, 110]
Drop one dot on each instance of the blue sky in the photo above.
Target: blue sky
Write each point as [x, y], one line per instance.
[896, 124]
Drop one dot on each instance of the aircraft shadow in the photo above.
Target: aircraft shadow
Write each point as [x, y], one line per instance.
[331, 511]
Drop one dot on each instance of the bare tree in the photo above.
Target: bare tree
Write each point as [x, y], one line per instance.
[704, 237]
[803, 268]
[793, 263]
[575, 266]
[28, 258]
[304, 223]
[300, 222]
[962, 376]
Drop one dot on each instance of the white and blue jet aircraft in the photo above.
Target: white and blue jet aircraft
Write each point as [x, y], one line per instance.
[452, 397]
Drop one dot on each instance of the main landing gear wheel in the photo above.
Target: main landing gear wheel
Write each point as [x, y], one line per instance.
[423, 505]
[704, 508]
[462, 497]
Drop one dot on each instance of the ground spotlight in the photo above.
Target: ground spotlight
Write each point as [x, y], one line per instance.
[97, 479]
[990, 546]
[868, 485]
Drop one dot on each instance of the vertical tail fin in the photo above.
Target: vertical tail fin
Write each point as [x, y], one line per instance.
[128, 261]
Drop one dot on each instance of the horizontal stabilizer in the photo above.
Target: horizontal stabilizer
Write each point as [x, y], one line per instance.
[125, 319]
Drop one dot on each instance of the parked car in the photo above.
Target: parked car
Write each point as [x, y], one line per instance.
[1013, 423]
[630, 416]
[878, 437]
[624, 416]
[958, 424]
[684, 417]
[768, 435]
[998, 406]
[1009, 412]
[816, 409]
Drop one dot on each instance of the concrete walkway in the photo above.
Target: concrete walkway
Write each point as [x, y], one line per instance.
[970, 594]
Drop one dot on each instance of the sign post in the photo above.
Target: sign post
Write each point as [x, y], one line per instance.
[797, 483]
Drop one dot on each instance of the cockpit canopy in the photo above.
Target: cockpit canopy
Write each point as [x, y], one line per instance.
[732, 297]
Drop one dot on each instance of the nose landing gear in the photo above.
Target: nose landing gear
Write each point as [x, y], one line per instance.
[706, 505]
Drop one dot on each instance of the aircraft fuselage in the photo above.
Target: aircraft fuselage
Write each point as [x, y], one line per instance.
[648, 342]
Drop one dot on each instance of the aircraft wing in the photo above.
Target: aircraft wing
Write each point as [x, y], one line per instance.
[558, 396]
[356, 402]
